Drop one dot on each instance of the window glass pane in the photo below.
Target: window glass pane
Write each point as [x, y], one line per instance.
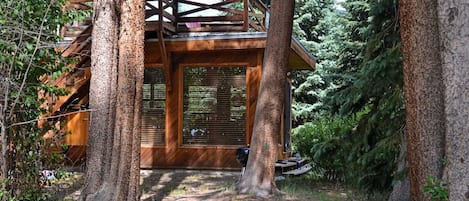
[153, 113]
[146, 91]
[214, 106]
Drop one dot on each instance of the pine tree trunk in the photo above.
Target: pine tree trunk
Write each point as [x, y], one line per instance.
[259, 176]
[103, 69]
[116, 95]
[424, 92]
[453, 18]
[129, 100]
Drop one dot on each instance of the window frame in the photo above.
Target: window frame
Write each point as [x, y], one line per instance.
[165, 139]
[180, 72]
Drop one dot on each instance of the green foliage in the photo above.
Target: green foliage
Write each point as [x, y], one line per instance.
[28, 37]
[309, 87]
[354, 100]
[377, 86]
[326, 142]
[437, 189]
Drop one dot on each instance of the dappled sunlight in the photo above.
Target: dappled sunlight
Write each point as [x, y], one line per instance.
[180, 184]
[202, 185]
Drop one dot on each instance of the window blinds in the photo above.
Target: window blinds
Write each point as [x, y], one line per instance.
[153, 111]
[214, 106]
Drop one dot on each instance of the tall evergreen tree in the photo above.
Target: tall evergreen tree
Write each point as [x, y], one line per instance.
[309, 27]
[377, 90]
[360, 77]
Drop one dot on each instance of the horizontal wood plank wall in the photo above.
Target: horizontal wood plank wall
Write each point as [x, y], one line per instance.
[77, 124]
[152, 55]
[174, 154]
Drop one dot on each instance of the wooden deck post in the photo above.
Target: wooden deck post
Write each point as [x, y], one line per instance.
[176, 15]
[246, 15]
[164, 53]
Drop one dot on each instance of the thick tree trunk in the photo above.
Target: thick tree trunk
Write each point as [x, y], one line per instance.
[424, 92]
[259, 176]
[436, 57]
[102, 95]
[126, 156]
[453, 18]
[116, 95]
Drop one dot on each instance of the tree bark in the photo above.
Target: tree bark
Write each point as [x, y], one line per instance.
[103, 69]
[116, 94]
[436, 55]
[401, 190]
[424, 92]
[453, 18]
[259, 176]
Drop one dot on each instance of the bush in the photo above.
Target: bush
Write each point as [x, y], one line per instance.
[326, 142]
[437, 189]
[345, 149]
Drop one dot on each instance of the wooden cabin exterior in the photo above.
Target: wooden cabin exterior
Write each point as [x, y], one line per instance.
[202, 77]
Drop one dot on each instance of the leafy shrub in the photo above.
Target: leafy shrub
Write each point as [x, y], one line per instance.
[325, 142]
[28, 37]
[344, 150]
[437, 189]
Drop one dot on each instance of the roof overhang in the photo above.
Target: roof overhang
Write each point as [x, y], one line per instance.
[300, 58]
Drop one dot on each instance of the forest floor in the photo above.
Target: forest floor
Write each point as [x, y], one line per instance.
[199, 185]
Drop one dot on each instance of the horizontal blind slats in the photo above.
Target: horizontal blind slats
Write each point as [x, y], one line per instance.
[214, 106]
[153, 111]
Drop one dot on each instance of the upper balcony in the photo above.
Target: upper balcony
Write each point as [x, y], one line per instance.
[172, 17]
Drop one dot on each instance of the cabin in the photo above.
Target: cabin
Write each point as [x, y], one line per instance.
[203, 64]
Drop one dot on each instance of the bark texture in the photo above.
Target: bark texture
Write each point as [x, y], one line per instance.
[453, 18]
[259, 176]
[116, 95]
[103, 69]
[401, 190]
[424, 92]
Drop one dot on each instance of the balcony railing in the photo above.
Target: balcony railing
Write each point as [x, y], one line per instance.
[180, 16]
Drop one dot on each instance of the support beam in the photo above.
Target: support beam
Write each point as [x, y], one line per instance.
[166, 61]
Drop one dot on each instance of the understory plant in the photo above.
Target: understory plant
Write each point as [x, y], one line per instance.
[437, 189]
[325, 143]
[343, 151]
[28, 42]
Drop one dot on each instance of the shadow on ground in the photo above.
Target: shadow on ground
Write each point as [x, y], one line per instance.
[186, 184]
[198, 185]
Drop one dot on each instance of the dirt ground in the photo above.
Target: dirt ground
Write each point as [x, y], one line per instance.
[170, 185]
[180, 185]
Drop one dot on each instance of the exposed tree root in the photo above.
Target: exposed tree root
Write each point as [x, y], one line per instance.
[264, 193]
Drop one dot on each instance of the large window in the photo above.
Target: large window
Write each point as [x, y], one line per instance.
[214, 106]
[153, 113]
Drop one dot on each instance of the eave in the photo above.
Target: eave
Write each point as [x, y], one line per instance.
[300, 58]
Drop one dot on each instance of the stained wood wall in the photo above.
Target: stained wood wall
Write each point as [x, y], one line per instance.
[174, 154]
